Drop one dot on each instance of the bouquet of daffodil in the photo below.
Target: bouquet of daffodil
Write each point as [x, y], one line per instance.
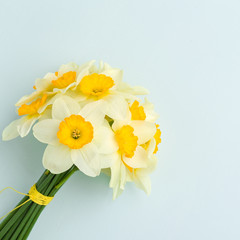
[91, 121]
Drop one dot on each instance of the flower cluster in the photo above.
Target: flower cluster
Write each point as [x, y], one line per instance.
[91, 119]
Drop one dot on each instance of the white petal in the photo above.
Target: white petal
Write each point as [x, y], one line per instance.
[77, 96]
[72, 104]
[50, 76]
[118, 124]
[123, 176]
[139, 159]
[101, 66]
[57, 159]
[137, 90]
[87, 65]
[116, 107]
[107, 160]
[115, 177]
[93, 112]
[47, 114]
[84, 70]
[104, 139]
[67, 68]
[115, 73]
[151, 147]
[50, 101]
[28, 98]
[143, 130]
[64, 107]
[115, 172]
[43, 84]
[151, 115]
[86, 159]
[151, 166]
[64, 90]
[11, 132]
[26, 125]
[117, 191]
[46, 131]
[143, 183]
[126, 96]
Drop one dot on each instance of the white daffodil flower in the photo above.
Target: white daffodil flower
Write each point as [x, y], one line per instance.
[31, 113]
[77, 136]
[131, 155]
[140, 176]
[144, 111]
[105, 83]
[22, 126]
[137, 137]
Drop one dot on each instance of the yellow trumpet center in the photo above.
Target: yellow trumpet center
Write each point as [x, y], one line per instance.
[33, 107]
[96, 84]
[137, 111]
[157, 138]
[75, 132]
[65, 80]
[126, 140]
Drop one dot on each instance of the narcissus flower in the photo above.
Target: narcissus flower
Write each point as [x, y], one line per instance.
[105, 83]
[143, 111]
[137, 138]
[31, 114]
[75, 136]
[131, 155]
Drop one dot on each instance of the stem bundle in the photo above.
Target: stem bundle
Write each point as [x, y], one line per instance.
[19, 223]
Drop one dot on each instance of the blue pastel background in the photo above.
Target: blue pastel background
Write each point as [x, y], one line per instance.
[187, 53]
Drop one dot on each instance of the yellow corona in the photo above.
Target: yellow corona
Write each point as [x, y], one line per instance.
[75, 132]
[96, 85]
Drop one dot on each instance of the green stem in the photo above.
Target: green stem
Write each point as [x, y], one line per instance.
[9, 216]
[8, 223]
[18, 225]
[43, 186]
[42, 178]
[68, 175]
[13, 228]
[23, 222]
[15, 217]
[13, 232]
[38, 211]
[62, 178]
